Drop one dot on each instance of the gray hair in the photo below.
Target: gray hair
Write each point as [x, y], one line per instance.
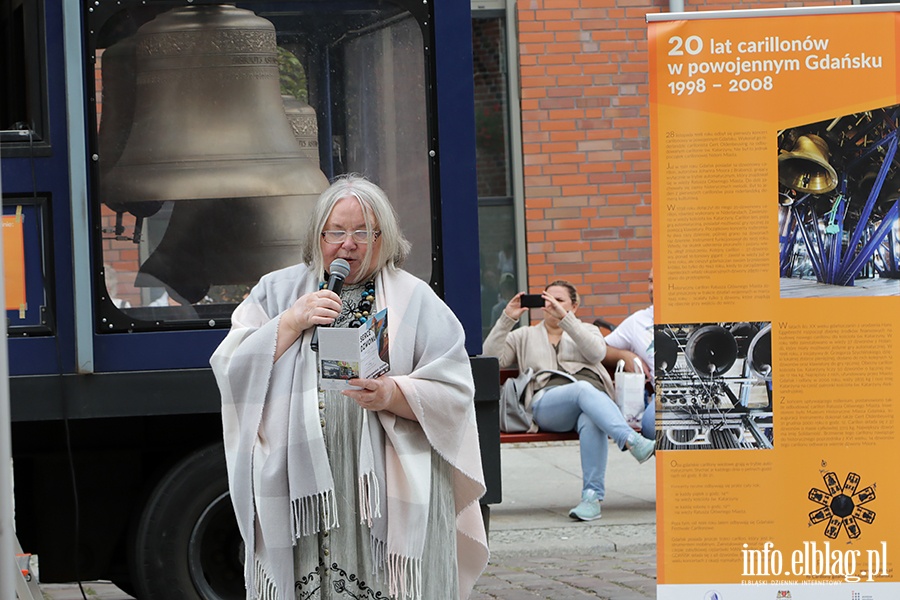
[374, 202]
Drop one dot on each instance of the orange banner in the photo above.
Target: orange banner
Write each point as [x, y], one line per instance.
[776, 248]
[14, 262]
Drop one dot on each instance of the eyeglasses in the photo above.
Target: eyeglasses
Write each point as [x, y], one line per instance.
[360, 236]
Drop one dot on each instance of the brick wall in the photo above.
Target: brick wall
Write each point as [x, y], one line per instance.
[586, 141]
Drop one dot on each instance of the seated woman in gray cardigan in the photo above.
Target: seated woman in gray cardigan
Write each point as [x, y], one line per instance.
[563, 343]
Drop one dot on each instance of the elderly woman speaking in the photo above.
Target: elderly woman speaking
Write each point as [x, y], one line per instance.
[371, 491]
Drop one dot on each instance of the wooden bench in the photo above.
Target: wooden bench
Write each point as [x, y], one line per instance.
[538, 436]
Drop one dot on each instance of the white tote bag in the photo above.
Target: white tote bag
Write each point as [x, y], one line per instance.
[630, 391]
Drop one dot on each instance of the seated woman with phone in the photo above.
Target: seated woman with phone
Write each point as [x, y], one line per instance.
[579, 395]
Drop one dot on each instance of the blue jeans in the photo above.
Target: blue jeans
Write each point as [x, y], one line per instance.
[593, 414]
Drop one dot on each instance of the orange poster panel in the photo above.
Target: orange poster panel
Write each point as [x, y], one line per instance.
[775, 174]
[14, 262]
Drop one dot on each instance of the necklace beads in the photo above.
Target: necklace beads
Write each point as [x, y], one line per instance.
[363, 309]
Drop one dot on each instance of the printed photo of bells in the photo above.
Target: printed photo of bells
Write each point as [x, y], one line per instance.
[838, 191]
[714, 385]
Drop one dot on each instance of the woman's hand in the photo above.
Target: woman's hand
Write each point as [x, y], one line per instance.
[552, 306]
[381, 393]
[514, 308]
[321, 307]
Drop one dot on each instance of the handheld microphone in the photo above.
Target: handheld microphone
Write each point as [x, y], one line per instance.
[337, 272]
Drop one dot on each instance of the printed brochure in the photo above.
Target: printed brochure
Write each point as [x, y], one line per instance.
[353, 353]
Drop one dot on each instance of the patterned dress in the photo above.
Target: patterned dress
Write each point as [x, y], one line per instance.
[338, 564]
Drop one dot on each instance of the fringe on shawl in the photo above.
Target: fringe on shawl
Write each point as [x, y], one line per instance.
[263, 587]
[309, 515]
[315, 513]
[369, 498]
[403, 574]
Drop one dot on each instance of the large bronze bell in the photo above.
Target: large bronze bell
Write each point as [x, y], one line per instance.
[302, 118]
[806, 168]
[209, 132]
[118, 77]
[196, 249]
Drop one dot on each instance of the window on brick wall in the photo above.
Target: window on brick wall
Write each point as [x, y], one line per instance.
[496, 212]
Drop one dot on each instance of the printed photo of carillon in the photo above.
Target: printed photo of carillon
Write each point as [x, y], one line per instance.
[714, 386]
[838, 186]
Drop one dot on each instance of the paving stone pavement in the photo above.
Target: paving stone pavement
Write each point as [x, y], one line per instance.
[627, 575]
[537, 551]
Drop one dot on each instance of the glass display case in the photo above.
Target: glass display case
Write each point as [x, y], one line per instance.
[215, 127]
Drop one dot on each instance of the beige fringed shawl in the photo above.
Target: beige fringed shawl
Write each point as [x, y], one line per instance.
[273, 435]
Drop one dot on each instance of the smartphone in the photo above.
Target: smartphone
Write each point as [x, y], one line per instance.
[531, 301]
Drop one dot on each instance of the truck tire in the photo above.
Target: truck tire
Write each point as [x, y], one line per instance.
[187, 544]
